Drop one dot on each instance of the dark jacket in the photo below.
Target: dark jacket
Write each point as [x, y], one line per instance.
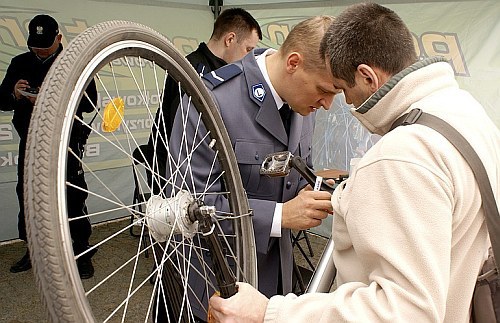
[29, 67]
[204, 61]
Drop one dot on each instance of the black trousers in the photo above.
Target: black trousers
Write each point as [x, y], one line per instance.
[80, 229]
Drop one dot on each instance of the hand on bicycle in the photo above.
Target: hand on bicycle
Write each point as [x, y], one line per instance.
[306, 210]
[247, 306]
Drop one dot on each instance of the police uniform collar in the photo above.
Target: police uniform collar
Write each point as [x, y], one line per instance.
[267, 115]
[261, 62]
[259, 51]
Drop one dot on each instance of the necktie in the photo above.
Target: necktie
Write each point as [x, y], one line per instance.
[286, 113]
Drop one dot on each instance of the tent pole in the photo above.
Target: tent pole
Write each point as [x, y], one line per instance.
[216, 6]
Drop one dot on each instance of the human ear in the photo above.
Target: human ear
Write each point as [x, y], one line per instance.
[293, 61]
[369, 77]
[229, 38]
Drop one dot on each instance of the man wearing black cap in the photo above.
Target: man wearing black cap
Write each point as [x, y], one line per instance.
[18, 90]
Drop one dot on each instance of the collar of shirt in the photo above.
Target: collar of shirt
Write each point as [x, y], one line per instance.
[213, 61]
[261, 62]
[50, 57]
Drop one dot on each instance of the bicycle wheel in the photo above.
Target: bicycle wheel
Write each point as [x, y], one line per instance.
[129, 63]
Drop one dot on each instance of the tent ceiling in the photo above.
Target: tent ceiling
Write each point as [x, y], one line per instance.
[265, 4]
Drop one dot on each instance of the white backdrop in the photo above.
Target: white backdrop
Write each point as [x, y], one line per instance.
[466, 32]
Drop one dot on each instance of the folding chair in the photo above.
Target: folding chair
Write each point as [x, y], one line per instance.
[295, 243]
[298, 271]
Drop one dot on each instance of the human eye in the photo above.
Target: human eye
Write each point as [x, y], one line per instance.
[337, 90]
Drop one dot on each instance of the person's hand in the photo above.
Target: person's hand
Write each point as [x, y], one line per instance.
[248, 305]
[20, 85]
[306, 210]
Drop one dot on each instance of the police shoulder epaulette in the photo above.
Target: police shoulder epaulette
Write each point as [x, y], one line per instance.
[221, 75]
[260, 50]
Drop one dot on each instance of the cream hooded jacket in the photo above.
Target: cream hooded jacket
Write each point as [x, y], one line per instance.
[409, 231]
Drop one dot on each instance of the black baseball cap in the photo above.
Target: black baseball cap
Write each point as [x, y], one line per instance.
[43, 30]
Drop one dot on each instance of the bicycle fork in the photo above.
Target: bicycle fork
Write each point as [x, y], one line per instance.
[226, 281]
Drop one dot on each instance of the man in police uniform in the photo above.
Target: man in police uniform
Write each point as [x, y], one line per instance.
[28, 70]
[249, 94]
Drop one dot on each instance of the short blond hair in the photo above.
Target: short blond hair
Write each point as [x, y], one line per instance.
[305, 38]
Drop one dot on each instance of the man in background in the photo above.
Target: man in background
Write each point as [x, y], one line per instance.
[235, 33]
[18, 90]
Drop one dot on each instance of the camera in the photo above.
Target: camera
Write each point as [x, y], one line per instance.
[32, 90]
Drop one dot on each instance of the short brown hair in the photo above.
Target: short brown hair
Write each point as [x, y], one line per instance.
[306, 38]
[235, 20]
[367, 33]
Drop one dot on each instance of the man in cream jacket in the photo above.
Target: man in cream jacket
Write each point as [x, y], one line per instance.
[409, 230]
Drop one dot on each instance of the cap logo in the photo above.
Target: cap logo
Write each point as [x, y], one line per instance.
[39, 30]
[259, 92]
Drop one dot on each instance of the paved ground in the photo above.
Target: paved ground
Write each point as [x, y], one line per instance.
[19, 298]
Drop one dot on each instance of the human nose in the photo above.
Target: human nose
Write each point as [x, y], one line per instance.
[326, 101]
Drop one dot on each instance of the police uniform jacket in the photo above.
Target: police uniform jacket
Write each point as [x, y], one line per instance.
[253, 122]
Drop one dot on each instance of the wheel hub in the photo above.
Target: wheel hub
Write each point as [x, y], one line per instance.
[167, 216]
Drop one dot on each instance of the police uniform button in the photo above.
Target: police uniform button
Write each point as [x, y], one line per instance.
[288, 184]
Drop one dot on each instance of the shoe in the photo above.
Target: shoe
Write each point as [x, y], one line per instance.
[22, 265]
[85, 267]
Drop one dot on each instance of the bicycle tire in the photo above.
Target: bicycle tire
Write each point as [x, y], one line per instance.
[63, 294]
